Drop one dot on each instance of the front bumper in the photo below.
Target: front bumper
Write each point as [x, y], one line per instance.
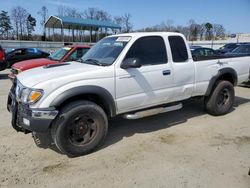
[26, 119]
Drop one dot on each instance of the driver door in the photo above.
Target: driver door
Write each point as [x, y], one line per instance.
[148, 85]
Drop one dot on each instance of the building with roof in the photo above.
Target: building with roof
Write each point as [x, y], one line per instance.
[79, 24]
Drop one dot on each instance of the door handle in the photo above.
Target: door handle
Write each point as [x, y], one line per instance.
[166, 72]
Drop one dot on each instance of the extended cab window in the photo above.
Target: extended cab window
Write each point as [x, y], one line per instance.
[178, 49]
[150, 50]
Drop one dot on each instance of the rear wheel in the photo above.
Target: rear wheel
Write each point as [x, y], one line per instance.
[221, 99]
[80, 128]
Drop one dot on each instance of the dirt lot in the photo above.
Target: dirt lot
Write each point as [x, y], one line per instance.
[186, 148]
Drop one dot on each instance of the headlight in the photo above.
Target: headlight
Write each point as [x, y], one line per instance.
[31, 96]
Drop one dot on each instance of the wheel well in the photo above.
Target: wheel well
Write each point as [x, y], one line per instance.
[90, 97]
[228, 77]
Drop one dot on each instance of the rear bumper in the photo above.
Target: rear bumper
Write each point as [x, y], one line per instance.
[26, 119]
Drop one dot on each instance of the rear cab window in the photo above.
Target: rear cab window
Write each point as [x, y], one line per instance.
[178, 49]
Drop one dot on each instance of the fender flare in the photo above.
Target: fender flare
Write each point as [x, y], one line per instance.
[103, 94]
[220, 73]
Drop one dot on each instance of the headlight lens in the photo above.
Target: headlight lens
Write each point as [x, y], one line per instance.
[31, 96]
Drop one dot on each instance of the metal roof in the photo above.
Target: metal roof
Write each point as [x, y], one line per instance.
[77, 23]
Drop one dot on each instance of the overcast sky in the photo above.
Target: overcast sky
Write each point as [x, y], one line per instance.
[233, 14]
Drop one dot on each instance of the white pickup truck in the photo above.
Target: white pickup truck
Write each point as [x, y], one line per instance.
[133, 75]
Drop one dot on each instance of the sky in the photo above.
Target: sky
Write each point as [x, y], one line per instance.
[234, 15]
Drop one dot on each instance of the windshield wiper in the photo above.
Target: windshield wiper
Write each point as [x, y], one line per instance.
[92, 61]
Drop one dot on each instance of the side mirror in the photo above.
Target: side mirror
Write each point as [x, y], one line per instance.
[131, 63]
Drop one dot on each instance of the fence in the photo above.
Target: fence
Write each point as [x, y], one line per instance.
[45, 45]
[52, 46]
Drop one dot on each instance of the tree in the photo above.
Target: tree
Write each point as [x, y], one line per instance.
[19, 16]
[169, 25]
[193, 32]
[96, 14]
[219, 31]
[31, 23]
[128, 26]
[209, 33]
[90, 13]
[202, 31]
[44, 16]
[5, 24]
[118, 20]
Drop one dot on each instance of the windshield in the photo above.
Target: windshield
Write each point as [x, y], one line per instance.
[59, 54]
[242, 49]
[106, 51]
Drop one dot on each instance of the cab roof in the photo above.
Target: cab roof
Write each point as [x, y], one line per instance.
[141, 34]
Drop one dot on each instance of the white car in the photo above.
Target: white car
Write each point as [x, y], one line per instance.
[133, 75]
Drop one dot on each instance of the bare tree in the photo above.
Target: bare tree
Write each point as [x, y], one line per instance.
[44, 16]
[19, 16]
[90, 13]
[61, 10]
[193, 30]
[128, 26]
[169, 25]
[202, 31]
[118, 20]
[15, 19]
[219, 31]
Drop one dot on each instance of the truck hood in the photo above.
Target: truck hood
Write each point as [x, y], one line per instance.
[58, 72]
[33, 63]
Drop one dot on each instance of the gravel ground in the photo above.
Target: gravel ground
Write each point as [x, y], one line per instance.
[185, 148]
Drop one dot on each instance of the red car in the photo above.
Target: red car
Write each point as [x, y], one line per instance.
[3, 63]
[69, 53]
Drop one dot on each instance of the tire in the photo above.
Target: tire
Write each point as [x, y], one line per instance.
[221, 100]
[80, 128]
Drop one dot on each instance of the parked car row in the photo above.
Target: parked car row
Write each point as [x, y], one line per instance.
[10, 57]
[200, 53]
[69, 53]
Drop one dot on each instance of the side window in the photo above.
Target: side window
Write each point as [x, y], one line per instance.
[17, 52]
[150, 50]
[178, 49]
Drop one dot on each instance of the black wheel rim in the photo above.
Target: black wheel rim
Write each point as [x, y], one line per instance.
[223, 98]
[82, 130]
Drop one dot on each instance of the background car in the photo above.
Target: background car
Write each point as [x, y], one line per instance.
[193, 47]
[228, 48]
[242, 50]
[69, 53]
[3, 63]
[205, 54]
[21, 54]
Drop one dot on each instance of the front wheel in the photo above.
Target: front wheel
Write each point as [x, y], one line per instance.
[221, 99]
[80, 128]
